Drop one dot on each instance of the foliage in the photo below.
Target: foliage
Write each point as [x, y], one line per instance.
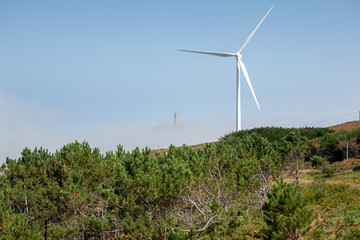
[317, 161]
[274, 134]
[286, 213]
[329, 169]
[212, 192]
[14, 225]
[337, 208]
[79, 192]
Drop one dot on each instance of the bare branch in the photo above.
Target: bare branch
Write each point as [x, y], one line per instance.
[209, 221]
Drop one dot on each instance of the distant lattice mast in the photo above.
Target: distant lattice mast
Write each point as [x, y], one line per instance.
[175, 119]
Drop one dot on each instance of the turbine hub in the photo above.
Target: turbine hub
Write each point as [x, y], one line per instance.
[238, 56]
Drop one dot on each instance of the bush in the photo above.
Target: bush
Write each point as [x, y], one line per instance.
[318, 232]
[317, 161]
[286, 212]
[329, 169]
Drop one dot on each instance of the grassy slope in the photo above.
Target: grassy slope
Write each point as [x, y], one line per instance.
[336, 203]
[335, 199]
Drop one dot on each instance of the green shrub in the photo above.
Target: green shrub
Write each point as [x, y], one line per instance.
[353, 233]
[329, 169]
[318, 232]
[286, 212]
[317, 161]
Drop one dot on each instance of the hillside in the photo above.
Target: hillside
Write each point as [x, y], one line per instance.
[348, 126]
[230, 189]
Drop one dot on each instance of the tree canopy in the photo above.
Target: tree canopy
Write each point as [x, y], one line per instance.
[220, 190]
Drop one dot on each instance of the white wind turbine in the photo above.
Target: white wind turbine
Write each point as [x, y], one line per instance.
[239, 65]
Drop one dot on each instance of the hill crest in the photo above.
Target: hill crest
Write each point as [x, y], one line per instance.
[348, 126]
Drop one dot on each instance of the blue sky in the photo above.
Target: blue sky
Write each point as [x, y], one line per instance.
[109, 72]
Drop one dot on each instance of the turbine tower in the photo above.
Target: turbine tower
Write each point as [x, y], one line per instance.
[239, 66]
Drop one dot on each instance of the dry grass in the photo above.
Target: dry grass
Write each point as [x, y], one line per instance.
[347, 165]
[308, 176]
[348, 126]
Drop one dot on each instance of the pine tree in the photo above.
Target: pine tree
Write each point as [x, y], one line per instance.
[286, 212]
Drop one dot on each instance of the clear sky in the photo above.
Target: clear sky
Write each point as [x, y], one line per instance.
[109, 72]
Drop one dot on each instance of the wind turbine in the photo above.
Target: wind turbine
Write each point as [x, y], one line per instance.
[239, 65]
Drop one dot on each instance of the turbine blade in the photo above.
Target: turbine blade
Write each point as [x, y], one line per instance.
[219, 54]
[253, 32]
[248, 81]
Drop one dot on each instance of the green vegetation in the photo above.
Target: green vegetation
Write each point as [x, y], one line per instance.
[224, 190]
[286, 213]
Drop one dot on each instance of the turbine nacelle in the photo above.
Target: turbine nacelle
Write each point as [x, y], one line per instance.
[238, 55]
